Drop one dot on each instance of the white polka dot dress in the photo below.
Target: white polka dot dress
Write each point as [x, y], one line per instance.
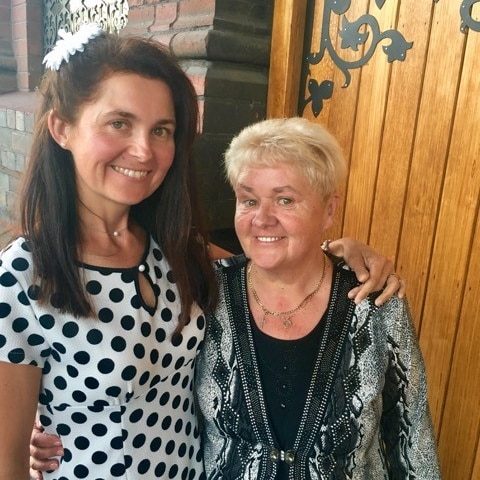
[117, 388]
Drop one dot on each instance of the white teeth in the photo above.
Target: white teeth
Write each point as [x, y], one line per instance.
[268, 239]
[131, 173]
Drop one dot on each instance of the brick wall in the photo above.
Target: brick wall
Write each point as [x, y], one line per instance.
[16, 127]
[223, 45]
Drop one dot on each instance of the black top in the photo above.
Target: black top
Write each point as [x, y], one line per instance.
[286, 369]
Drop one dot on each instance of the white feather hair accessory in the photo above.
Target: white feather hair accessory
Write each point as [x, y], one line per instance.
[70, 43]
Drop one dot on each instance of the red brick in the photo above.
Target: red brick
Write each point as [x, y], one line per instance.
[197, 74]
[195, 13]
[135, 3]
[140, 20]
[192, 44]
[164, 38]
[165, 15]
[19, 14]
[19, 30]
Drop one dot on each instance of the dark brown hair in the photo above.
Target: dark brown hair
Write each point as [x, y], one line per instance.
[171, 214]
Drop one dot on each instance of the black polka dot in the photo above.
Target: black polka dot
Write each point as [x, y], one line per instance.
[173, 472]
[152, 419]
[155, 444]
[113, 391]
[139, 350]
[166, 315]
[7, 279]
[94, 336]
[160, 469]
[177, 339]
[144, 466]
[35, 339]
[116, 443]
[170, 294]
[60, 383]
[99, 458]
[19, 325]
[154, 356]
[144, 378]
[118, 344]
[82, 358]
[99, 430]
[17, 355]
[93, 287]
[5, 310]
[127, 322]
[139, 440]
[129, 373]
[117, 470]
[82, 443]
[47, 321]
[106, 366]
[164, 399]
[92, 383]
[79, 418]
[151, 395]
[63, 429]
[81, 471]
[105, 315]
[167, 360]
[79, 396]
[116, 295]
[72, 371]
[166, 422]
[20, 264]
[146, 329]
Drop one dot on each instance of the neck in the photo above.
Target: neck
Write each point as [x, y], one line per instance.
[96, 222]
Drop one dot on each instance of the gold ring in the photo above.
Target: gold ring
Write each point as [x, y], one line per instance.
[396, 275]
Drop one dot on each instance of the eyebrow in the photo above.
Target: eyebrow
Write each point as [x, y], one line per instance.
[129, 116]
[281, 189]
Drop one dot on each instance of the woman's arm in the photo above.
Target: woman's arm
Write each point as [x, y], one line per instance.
[372, 269]
[406, 425]
[19, 388]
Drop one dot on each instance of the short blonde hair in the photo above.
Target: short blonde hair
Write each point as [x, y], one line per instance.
[308, 146]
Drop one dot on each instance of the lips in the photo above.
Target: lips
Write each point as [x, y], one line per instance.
[130, 173]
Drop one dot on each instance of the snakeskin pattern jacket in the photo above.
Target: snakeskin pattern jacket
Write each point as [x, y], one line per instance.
[366, 416]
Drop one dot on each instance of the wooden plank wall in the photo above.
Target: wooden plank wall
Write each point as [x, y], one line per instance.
[411, 133]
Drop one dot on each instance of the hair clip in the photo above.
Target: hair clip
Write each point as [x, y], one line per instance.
[70, 43]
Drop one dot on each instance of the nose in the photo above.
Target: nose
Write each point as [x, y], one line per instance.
[141, 147]
[263, 215]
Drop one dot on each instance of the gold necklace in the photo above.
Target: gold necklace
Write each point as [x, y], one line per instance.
[288, 314]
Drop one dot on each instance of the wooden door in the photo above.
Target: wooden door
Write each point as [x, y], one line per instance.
[398, 83]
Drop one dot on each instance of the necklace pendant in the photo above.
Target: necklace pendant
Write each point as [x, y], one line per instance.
[263, 322]
[287, 323]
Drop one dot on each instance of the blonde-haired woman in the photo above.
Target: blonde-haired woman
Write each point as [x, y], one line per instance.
[296, 381]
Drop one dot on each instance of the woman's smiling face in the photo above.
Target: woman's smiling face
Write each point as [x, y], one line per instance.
[123, 141]
[279, 217]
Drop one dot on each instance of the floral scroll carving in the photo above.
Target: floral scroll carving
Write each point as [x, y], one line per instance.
[354, 35]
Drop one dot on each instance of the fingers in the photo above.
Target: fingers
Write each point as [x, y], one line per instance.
[395, 285]
[36, 468]
[43, 447]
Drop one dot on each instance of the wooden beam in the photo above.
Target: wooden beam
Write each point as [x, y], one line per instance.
[285, 57]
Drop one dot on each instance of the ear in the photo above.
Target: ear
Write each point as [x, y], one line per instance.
[58, 128]
[331, 207]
